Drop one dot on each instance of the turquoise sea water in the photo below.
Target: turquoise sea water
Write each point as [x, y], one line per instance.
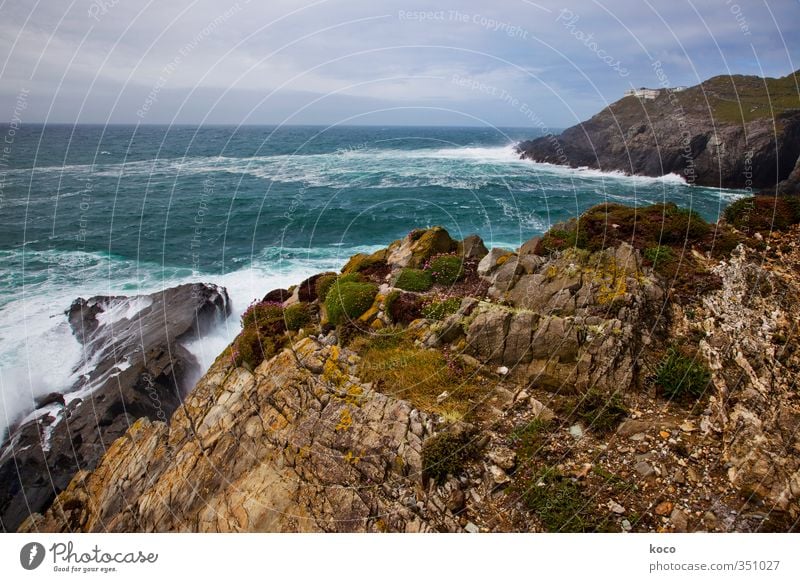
[124, 210]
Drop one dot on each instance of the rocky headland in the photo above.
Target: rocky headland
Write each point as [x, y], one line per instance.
[631, 370]
[134, 365]
[731, 131]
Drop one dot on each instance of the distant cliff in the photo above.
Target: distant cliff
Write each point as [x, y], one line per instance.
[729, 131]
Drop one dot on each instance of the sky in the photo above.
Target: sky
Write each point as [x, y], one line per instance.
[497, 63]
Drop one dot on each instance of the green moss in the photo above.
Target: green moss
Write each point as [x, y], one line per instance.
[252, 347]
[348, 300]
[446, 269]
[679, 375]
[659, 255]
[446, 454]
[324, 283]
[414, 280]
[297, 316]
[363, 262]
[439, 310]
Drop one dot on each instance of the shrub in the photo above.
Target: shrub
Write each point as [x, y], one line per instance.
[529, 438]
[601, 412]
[324, 283]
[678, 375]
[267, 317]
[348, 300]
[763, 214]
[441, 309]
[297, 316]
[559, 503]
[446, 269]
[252, 347]
[414, 280]
[446, 454]
[659, 255]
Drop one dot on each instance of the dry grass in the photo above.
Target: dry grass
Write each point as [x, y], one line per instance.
[400, 369]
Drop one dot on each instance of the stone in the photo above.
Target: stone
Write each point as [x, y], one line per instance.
[644, 469]
[529, 247]
[503, 457]
[442, 397]
[664, 508]
[626, 525]
[489, 262]
[456, 501]
[615, 507]
[473, 247]
[576, 431]
[486, 335]
[679, 520]
[498, 475]
[471, 528]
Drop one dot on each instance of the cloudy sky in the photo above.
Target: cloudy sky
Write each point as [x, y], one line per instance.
[456, 62]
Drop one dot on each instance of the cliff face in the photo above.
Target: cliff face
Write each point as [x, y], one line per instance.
[561, 387]
[731, 131]
[134, 365]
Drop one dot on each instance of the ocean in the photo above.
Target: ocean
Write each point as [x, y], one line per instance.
[126, 210]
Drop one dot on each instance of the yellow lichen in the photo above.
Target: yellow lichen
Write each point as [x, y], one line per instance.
[345, 420]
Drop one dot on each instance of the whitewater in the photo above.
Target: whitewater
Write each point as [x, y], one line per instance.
[125, 211]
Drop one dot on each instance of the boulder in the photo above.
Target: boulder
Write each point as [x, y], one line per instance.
[472, 247]
[490, 262]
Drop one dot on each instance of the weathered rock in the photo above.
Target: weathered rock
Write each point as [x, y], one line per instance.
[489, 262]
[473, 248]
[419, 246]
[282, 449]
[139, 369]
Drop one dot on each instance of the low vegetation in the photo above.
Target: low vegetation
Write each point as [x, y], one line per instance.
[439, 310]
[446, 269]
[681, 376]
[347, 300]
[414, 280]
[297, 316]
[262, 335]
[446, 454]
[763, 214]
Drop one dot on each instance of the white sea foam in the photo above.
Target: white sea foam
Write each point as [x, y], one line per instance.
[39, 354]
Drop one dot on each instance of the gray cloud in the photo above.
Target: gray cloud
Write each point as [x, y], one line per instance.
[325, 61]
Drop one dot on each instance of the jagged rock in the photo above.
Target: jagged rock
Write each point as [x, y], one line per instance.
[486, 335]
[301, 451]
[277, 296]
[489, 262]
[418, 247]
[473, 247]
[529, 247]
[139, 369]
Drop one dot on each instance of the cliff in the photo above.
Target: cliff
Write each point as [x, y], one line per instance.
[634, 370]
[729, 131]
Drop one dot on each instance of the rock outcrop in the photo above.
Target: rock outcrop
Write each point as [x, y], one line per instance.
[729, 131]
[134, 365]
[557, 388]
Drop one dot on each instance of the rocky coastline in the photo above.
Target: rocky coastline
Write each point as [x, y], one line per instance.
[731, 131]
[633, 370]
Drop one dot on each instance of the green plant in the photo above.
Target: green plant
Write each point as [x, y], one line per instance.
[414, 280]
[348, 300]
[251, 347]
[600, 411]
[529, 438]
[441, 309]
[297, 316]
[446, 454]
[324, 283]
[264, 316]
[446, 269]
[659, 255]
[559, 503]
[678, 375]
